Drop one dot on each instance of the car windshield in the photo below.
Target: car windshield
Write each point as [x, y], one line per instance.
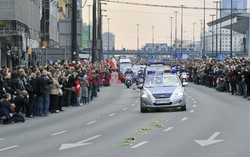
[162, 81]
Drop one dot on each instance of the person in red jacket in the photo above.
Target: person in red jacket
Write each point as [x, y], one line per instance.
[77, 88]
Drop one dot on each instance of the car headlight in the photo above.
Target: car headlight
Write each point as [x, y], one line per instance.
[145, 95]
[179, 94]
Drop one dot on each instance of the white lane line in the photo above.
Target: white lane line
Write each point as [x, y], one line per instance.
[139, 144]
[194, 106]
[92, 122]
[185, 118]
[125, 109]
[136, 101]
[7, 148]
[139, 98]
[132, 104]
[168, 129]
[192, 111]
[1, 139]
[193, 99]
[189, 96]
[112, 114]
[195, 102]
[58, 133]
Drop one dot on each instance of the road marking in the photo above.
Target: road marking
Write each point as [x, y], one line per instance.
[193, 99]
[194, 106]
[136, 101]
[58, 133]
[92, 122]
[168, 129]
[78, 144]
[125, 109]
[210, 140]
[139, 144]
[7, 148]
[132, 104]
[189, 96]
[112, 114]
[192, 111]
[185, 118]
[139, 98]
[1, 139]
[194, 102]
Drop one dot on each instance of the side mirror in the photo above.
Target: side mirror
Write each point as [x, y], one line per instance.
[184, 84]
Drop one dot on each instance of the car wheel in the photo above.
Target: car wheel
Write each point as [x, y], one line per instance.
[184, 108]
[144, 110]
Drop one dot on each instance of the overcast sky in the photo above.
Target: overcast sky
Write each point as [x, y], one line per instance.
[123, 20]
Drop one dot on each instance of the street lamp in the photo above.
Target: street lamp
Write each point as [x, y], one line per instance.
[138, 40]
[231, 33]
[89, 6]
[212, 35]
[176, 12]
[108, 33]
[181, 28]
[171, 36]
[194, 34]
[217, 2]
[204, 30]
[153, 36]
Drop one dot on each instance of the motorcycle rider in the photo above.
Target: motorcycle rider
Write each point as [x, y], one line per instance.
[130, 72]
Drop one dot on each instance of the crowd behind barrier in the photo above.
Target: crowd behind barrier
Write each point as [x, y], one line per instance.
[229, 75]
[36, 91]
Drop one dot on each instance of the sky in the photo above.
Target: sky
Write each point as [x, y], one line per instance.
[124, 18]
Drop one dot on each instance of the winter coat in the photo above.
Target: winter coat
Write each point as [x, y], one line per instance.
[55, 87]
[43, 85]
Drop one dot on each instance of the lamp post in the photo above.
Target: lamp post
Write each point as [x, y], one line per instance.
[176, 12]
[138, 39]
[108, 33]
[194, 34]
[153, 37]
[201, 47]
[231, 31]
[181, 28]
[212, 36]
[171, 36]
[204, 30]
[217, 2]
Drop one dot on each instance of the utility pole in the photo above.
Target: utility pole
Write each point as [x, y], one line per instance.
[176, 12]
[94, 40]
[212, 36]
[231, 33]
[204, 30]
[89, 27]
[138, 36]
[217, 2]
[171, 36]
[74, 49]
[108, 34]
[181, 29]
[194, 34]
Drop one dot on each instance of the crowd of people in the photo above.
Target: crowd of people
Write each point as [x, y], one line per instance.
[36, 91]
[229, 75]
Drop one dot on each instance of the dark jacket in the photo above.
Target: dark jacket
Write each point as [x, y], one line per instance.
[43, 85]
[5, 109]
[20, 103]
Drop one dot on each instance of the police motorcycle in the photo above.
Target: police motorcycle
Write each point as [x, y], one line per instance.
[129, 77]
[140, 79]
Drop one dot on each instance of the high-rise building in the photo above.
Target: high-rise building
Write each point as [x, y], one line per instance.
[239, 6]
[108, 39]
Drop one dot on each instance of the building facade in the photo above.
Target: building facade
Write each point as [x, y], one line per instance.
[108, 39]
[19, 28]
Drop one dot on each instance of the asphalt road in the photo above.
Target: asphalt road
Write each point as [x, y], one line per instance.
[214, 125]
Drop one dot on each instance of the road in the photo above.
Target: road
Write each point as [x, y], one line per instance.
[214, 125]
